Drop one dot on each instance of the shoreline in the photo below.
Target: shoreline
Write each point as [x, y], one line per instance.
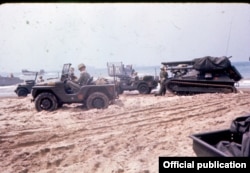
[12, 95]
[245, 90]
[8, 91]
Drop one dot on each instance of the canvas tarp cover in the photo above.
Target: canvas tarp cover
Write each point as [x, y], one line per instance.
[241, 126]
[209, 63]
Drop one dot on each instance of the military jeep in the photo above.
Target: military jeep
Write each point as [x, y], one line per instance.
[49, 96]
[23, 89]
[125, 81]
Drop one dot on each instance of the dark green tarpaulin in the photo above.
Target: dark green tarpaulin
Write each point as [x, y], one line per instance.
[209, 63]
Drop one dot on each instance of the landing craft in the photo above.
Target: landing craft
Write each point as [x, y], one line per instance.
[28, 72]
[6, 81]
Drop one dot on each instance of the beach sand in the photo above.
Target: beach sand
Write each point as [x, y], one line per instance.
[127, 137]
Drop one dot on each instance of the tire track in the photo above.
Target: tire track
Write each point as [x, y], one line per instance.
[150, 128]
[177, 114]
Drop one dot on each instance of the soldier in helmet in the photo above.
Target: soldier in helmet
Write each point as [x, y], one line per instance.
[82, 80]
[163, 78]
[84, 75]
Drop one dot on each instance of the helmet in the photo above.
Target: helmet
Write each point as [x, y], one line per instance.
[81, 65]
[163, 67]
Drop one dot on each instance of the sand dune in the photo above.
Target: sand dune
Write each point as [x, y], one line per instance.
[128, 137]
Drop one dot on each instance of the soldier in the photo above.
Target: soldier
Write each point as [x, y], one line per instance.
[40, 79]
[84, 75]
[163, 78]
[134, 78]
[82, 80]
[72, 74]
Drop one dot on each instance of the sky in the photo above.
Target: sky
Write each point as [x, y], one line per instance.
[38, 36]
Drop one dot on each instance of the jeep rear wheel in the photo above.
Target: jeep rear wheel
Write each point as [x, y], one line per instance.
[97, 100]
[46, 101]
[22, 92]
[143, 89]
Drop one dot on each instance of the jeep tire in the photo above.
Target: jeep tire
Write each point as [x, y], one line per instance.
[46, 101]
[21, 92]
[144, 89]
[97, 100]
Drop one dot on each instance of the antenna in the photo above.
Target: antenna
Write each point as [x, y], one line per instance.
[229, 35]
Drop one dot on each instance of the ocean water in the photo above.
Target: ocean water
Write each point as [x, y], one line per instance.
[243, 68]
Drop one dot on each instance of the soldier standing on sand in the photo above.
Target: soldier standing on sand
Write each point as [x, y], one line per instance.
[163, 78]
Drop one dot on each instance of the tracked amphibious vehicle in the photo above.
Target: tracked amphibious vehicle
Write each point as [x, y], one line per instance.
[202, 75]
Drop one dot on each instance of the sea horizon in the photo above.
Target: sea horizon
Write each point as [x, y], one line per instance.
[242, 66]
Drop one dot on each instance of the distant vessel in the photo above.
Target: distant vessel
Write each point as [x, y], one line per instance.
[5, 81]
[27, 72]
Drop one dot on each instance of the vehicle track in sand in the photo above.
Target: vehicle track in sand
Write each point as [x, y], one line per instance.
[123, 136]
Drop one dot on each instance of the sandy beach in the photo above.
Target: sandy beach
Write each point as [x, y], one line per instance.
[128, 137]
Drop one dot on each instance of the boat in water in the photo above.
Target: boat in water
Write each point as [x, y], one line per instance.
[28, 72]
[6, 81]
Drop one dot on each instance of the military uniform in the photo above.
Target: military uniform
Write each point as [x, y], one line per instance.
[72, 74]
[83, 79]
[72, 77]
[40, 79]
[163, 78]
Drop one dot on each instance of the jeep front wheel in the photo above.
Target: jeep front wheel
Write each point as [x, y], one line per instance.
[22, 92]
[46, 101]
[143, 89]
[97, 100]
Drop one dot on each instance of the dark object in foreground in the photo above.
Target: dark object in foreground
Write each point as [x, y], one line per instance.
[49, 96]
[232, 142]
[204, 144]
[202, 75]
